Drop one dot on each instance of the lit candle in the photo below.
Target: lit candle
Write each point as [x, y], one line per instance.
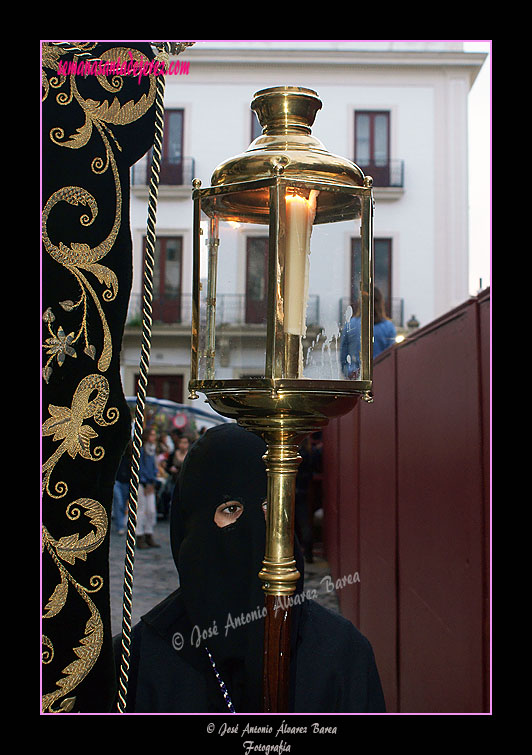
[300, 214]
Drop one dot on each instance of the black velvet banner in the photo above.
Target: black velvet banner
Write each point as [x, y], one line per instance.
[96, 122]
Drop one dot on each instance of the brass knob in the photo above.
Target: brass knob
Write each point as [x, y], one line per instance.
[286, 109]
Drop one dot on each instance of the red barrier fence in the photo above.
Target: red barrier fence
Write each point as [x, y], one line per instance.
[406, 484]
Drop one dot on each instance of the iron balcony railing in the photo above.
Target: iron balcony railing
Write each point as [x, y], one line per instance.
[231, 309]
[395, 310]
[173, 172]
[385, 173]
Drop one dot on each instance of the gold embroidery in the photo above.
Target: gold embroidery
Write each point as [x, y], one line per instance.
[48, 654]
[51, 55]
[67, 425]
[68, 549]
[79, 257]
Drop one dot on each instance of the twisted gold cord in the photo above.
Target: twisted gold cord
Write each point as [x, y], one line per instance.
[142, 385]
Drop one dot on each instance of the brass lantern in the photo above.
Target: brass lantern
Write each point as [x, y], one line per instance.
[306, 205]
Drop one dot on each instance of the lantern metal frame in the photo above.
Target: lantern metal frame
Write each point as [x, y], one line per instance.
[276, 379]
[283, 407]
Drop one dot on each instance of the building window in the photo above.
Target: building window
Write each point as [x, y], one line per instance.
[256, 278]
[167, 387]
[372, 144]
[167, 278]
[382, 270]
[171, 170]
[172, 151]
[175, 168]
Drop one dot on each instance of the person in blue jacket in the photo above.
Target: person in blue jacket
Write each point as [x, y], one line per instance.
[384, 334]
[147, 510]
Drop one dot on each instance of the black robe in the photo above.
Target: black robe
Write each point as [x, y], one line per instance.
[333, 667]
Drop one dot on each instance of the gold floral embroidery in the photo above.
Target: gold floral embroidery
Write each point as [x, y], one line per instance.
[59, 345]
[79, 258]
[68, 548]
[51, 54]
[66, 424]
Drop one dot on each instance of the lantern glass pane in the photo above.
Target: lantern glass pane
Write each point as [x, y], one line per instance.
[332, 343]
[234, 326]
[306, 313]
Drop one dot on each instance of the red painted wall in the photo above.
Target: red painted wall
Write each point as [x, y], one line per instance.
[406, 505]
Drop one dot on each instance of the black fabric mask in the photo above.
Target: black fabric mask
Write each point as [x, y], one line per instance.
[218, 567]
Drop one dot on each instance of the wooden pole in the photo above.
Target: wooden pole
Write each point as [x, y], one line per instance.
[276, 680]
[279, 573]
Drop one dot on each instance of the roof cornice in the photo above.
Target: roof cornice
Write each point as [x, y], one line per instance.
[367, 58]
[336, 57]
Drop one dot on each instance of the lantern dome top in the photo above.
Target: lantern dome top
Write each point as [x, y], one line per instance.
[286, 114]
[286, 109]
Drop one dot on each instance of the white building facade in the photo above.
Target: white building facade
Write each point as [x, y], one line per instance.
[397, 109]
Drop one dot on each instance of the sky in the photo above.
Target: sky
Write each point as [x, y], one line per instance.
[480, 171]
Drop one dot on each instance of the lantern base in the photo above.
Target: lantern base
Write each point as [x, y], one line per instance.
[304, 405]
[283, 413]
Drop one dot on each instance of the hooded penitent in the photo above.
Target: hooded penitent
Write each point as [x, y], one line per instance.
[220, 603]
[218, 566]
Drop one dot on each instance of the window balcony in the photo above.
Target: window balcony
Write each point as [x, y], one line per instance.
[388, 178]
[386, 174]
[175, 175]
[231, 310]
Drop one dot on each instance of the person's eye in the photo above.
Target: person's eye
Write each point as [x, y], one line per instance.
[265, 508]
[227, 513]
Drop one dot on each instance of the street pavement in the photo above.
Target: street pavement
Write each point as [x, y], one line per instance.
[155, 576]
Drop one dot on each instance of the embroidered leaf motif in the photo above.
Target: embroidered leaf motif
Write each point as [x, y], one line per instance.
[67, 704]
[58, 423]
[90, 647]
[78, 139]
[48, 315]
[70, 547]
[77, 670]
[50, 55]
[64, 426]
[81, 444]
[105, 276]
[57, 600]
[120, 114]
[95, 513]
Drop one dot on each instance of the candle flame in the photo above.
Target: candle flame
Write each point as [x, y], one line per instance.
[296, 197]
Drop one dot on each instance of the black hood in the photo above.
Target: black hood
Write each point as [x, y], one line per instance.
[218, 567]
